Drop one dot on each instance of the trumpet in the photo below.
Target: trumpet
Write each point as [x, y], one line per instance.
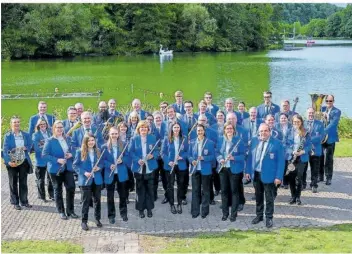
[76, 126]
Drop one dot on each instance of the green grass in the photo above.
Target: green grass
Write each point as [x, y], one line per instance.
[40, 247]
[343, 148]
[332, 239]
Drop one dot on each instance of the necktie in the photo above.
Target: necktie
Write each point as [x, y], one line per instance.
[71, 124]
[266, 110]
[180, 108]
[87, 130]
[189, 122]
[252, 128]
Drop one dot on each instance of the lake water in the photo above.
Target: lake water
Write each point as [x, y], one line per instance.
[243, 76]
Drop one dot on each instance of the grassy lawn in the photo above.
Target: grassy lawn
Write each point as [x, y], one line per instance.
[331, 239]
[344, 148]
[40, 247]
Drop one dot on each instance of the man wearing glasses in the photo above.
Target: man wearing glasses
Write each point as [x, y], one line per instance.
[211, 108]
[285, 108]
[332, 116]
[162, 106]
[267, 107]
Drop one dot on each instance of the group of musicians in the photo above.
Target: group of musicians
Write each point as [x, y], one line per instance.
[220, 150]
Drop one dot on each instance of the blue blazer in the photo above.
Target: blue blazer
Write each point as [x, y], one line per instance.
[142, 114]
[277, 133]
[261, 111]
[160, 134]
[306, 146]
[168, 153]
[316, 136]
[247, 125]
[51, 152]
[214, 110]
[243, 133]
[67, 125]
[9, 144]
[208, 154]
[86, 166]
[211, 119]
[78, 135]
[218, 129]
[193, 120]
[115, 114]
[177, 109]
[290, 115]
[135, 149]
[241, 117]
[285, 139]
[237, 165]
[273, 163]
[108, 159]
[38, 138]
[209, 133]
[34, 119]
[331, 128]
[184, 127]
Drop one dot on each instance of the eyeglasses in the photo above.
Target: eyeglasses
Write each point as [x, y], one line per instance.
[267, 97]
[42, 124]
[59, 127]
[207, 97]
[328, 100]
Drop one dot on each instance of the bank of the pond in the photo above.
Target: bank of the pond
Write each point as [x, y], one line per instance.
[38, 246]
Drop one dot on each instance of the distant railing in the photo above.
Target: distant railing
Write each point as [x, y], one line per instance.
[51, 95]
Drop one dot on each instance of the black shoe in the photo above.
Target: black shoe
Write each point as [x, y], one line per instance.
[184, 202]
[195, 216]
[149, 213]
[52, 198]
[73, 215]
[124, 218]
[298, 201]
[141, 214]
[131, 189]
[286, 187]
[216, 193]
[257, 219]
[173, 209]
[63, 216]
[204, 216]
[240, 207]
[233, 218]
[304, 186]
[212, 202]
[17, 207]
[165, 200]
[99, 225]
[179, 209]
[292, 201]
[321, 178]
[84, 226]
[247, 181]
[328, 182]
[127, 201]
[314, 189]
[112, 220]
[269, 223]
[224, 217]
[27, 205]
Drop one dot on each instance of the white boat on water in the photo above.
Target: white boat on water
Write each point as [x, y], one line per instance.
[165, 52]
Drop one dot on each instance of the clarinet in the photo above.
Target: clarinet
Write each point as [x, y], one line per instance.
[291, 167]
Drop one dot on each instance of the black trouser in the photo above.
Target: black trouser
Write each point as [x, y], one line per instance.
[18, 175]
[160, 171]
[261, 189]
[328, 167]
[144, 191]
[89, 192]
[230, 188]
[122, 189]
[180, 178]
[130, 183]
[66, 178]
[314, 162]
[200, 194]
[214, 181]
[286, 178]
[40, 173]
[296, 179]
[186, 182]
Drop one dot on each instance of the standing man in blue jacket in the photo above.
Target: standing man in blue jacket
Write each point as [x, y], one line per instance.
[267, 107]
[42, 108]
[265, 165]
[332, 115]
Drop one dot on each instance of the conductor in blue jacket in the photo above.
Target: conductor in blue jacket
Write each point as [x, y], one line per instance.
[332, 116]
[116, 159]
[88, 166]
[144, 151]
[16, 146]
[265, 165]
[201, 155]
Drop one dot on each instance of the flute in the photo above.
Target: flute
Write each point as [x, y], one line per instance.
[145, 159]
[195, 166]
[96, 164]
[178, 153]
[119, 158]
[227, 159]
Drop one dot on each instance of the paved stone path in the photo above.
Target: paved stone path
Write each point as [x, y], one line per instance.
[331, 205]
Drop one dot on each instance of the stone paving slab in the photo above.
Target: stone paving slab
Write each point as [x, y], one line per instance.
[331, 205]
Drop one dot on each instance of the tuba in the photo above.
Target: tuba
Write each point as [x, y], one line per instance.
[317, 100]
[17, 155]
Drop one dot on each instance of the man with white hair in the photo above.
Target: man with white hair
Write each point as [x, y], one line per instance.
[202, 106]
[136, 106]
[80, 108]
[229, 107]
[252, 123]
[112, 109]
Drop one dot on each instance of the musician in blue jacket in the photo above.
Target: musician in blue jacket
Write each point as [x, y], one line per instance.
[178, 105]
[265, 165]
[300, 145]
[16, 146]
[58, 155]
[116, 176]
[88, 165]
[71, 119]
[332, 116]
[136, 106]
[40, 136]
[202, 106]
[242, 114]
[230, 151]
[220, 122]
[201, 154]
[267, 107]
[211, 107]
[42, 107]
[315, 129]
[275, 133]
[174, 154]
[144, 151]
